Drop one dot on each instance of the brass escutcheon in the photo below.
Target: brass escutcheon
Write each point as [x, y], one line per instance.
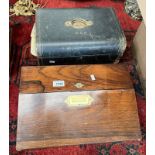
[79, 85]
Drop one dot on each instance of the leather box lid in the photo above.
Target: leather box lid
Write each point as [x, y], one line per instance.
[76, 32]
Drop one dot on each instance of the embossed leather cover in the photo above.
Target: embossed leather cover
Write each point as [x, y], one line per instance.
[80, 32]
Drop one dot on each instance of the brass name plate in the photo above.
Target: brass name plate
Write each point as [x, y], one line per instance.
[79, 100]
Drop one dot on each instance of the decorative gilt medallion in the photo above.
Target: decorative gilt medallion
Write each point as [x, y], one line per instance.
[79, 85]
[78, 23]
[79, 100]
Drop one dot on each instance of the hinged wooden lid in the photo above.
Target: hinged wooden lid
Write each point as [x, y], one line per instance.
[45, 79]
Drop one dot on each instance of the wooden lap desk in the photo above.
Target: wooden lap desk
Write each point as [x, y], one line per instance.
[77, 104]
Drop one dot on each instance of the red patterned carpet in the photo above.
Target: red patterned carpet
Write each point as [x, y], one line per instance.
[20, 55]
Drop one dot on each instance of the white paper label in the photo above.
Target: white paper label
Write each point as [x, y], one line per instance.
[51, 61]
[58, 83]
[92, 76]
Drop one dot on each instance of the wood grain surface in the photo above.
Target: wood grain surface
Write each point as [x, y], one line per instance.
[48, 115]
[46, 120]
[39, 79]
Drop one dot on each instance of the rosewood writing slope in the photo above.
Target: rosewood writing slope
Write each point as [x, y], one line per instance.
[77, 104]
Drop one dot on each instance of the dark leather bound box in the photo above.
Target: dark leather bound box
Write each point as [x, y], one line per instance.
[81, 34]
